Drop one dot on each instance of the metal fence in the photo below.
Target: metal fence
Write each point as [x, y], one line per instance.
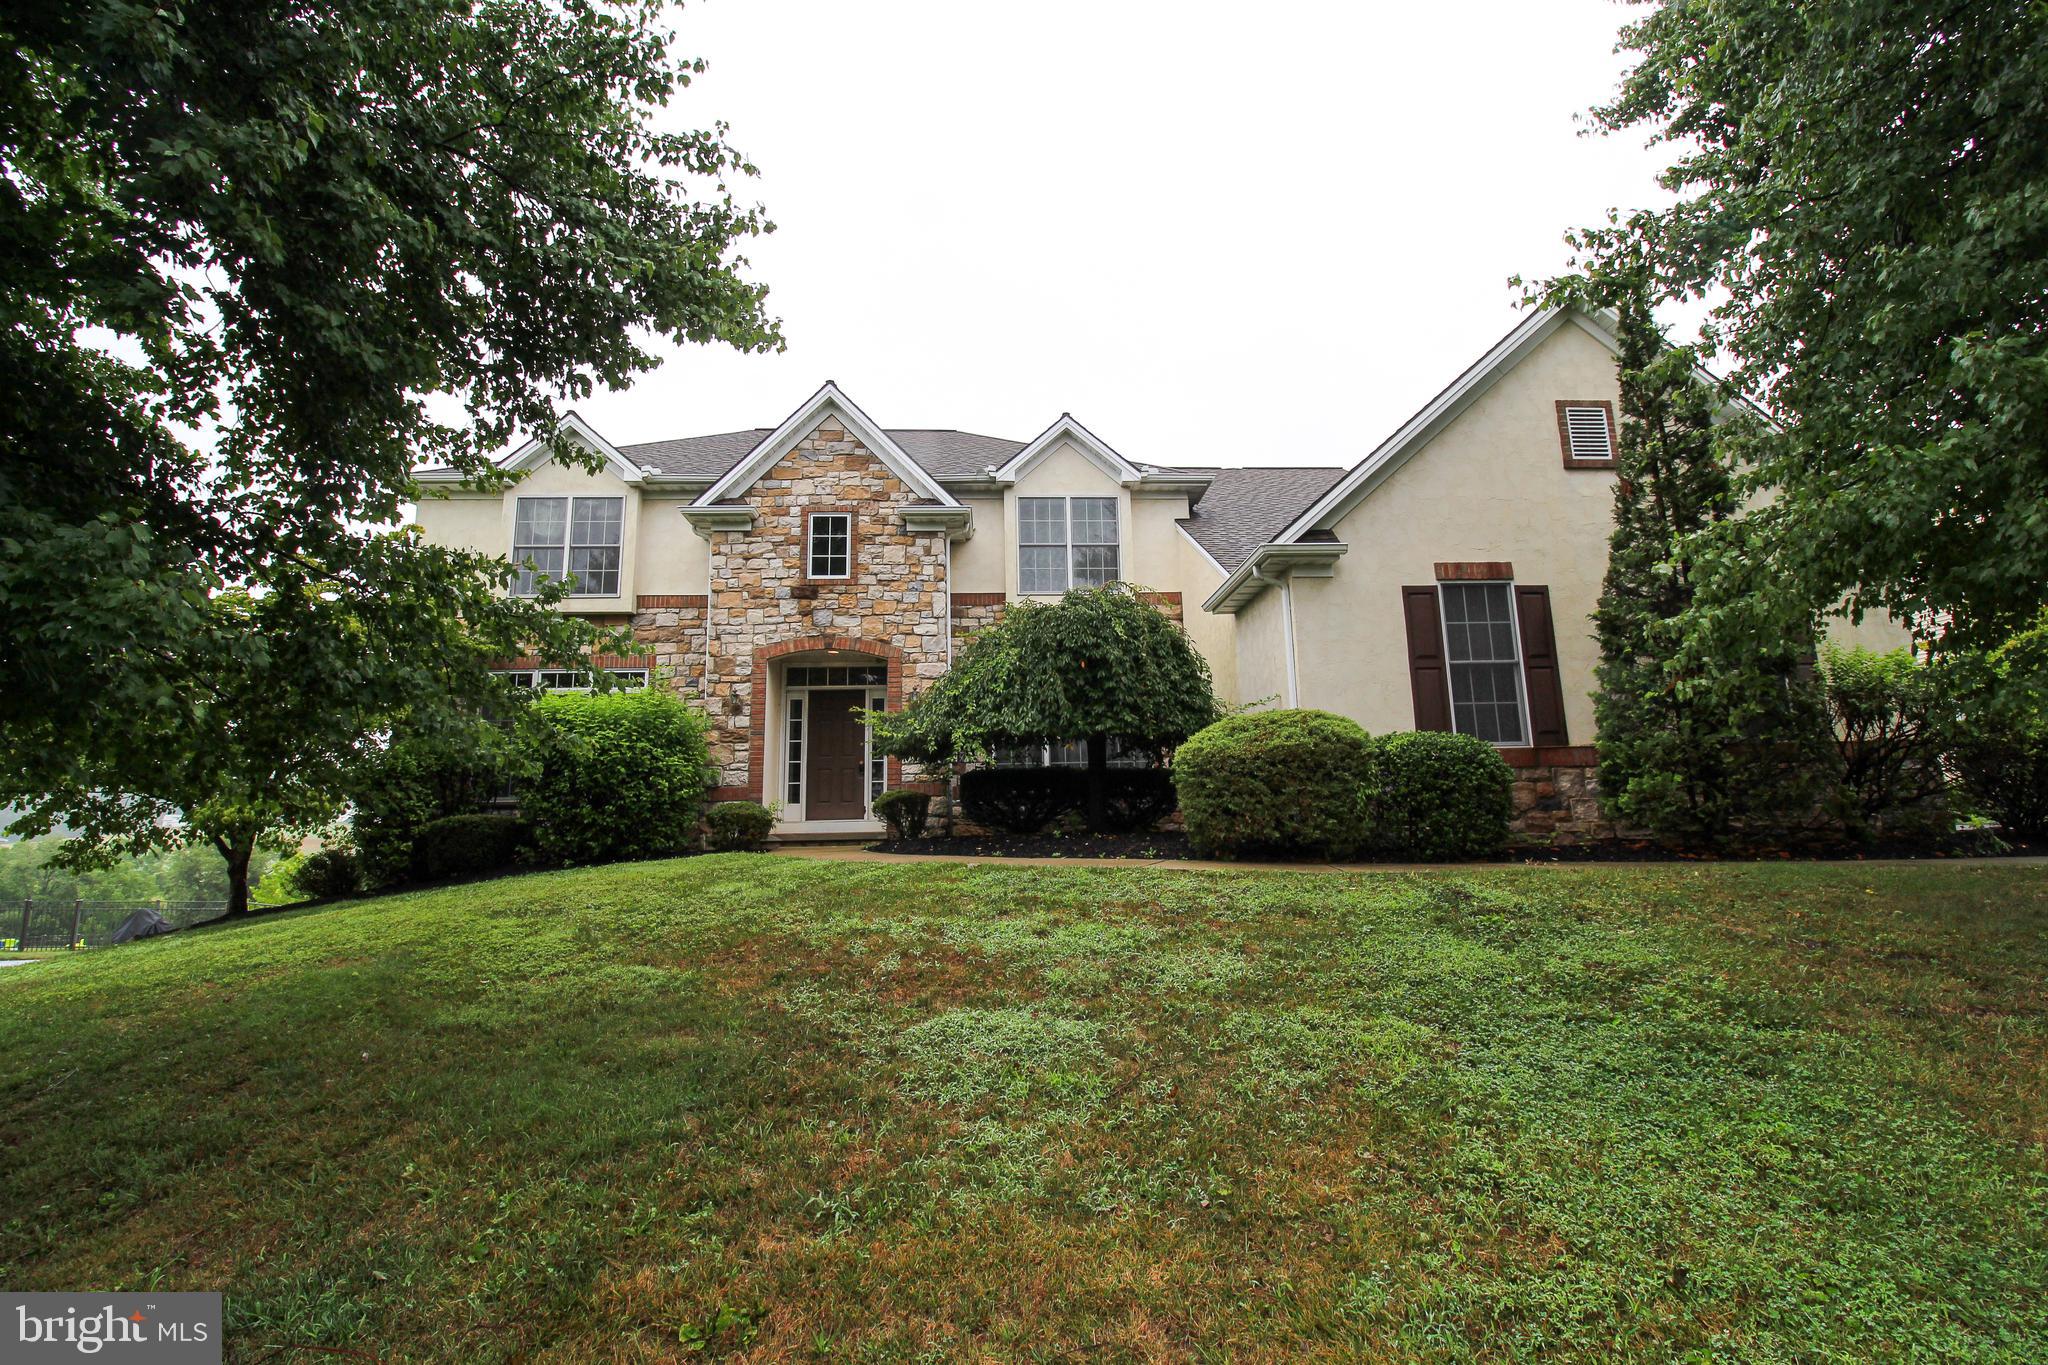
[44, 924]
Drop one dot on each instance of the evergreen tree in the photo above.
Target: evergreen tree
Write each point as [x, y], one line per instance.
[1687, 752]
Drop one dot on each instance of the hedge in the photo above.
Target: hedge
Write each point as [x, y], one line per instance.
[622, 775]
[1026, 800]
[468, 846]
[1279, 782]
[1435, 797]
[737, 826]
[906, 812]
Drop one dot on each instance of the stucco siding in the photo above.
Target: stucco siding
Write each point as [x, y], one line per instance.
[1262, 653]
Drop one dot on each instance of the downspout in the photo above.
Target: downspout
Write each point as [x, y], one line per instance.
[1284, 581]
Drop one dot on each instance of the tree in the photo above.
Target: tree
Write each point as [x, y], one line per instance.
[261, 753]
[1100, 662]
[262, 259]
[1688, 748]
[1862, 191]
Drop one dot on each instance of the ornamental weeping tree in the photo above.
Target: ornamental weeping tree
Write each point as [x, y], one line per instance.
[1098, 663]
[1686, 750]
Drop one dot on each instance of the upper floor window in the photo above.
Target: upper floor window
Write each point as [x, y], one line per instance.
[1585, 428]
[568, 680]
[1065, 543]
[578, 535]
[829, 545]
[1483, 656]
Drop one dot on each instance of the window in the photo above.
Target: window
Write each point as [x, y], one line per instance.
[578, 535]
[859, 675]
[830, 548]
[1065, 543]
[1070, 753]
[1482, 654]
[793, 782]
[1586, 429]
[568, 680]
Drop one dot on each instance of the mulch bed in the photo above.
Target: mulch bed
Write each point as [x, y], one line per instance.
[1175, 846]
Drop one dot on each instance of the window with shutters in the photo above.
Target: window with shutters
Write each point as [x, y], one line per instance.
[1482, 654]
[829, 553]
[1065, 543]
[579, 535]
[1585, 427]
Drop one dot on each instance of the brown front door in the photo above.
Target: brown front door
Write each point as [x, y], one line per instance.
[836, 757]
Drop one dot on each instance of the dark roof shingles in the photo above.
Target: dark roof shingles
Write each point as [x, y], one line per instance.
[1246, 508]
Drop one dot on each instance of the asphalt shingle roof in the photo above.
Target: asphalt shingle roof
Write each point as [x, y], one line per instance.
[1246, 508]
[943, 454]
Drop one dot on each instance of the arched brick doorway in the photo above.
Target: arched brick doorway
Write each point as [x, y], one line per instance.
[807, 748]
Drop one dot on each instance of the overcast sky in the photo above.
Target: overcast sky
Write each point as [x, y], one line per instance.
[1254, 233]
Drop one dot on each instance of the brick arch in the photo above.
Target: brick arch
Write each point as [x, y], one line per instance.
[757, 732]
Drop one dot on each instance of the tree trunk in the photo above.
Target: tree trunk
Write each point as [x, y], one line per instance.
[238, 855]
[1098, 773]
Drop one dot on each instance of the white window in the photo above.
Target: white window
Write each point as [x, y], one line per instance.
[830, 545]
[1070, 753]
[1588, 436]
[1483, 651]
[577, 536]
[568, 679]
[1065, 543]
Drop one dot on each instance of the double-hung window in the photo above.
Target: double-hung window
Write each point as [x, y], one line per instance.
[1065, 543]
[1483, 655]
[828, 547]
[577, 536]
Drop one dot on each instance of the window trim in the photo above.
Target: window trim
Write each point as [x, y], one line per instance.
[1069, 543]
[1564, 433]
[811, 515]
[639, 678]
[1520, 661]
[568, 544]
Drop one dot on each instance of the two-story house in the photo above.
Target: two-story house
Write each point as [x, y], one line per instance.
[789, 578]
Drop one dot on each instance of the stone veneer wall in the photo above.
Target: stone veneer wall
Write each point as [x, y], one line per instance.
[672, 628]
[1557, 799]
[762, 603]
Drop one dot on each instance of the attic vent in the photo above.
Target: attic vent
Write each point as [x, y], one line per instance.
[1587, 430]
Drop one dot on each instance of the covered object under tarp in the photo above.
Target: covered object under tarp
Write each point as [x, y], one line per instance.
[144, 923]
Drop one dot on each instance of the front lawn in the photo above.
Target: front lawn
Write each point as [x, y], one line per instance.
[774, 1108]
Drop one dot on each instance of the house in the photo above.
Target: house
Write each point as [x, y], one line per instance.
[792, 577]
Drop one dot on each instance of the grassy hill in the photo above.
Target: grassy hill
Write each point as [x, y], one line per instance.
[770, 1108]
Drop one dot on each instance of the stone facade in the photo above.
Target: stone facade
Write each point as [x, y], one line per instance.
[672, 628]
[1557, 800]
[763, 604]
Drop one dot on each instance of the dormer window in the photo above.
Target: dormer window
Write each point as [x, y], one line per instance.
[1585, 427]
[829, 545]
[1065, 543]
[579, 534]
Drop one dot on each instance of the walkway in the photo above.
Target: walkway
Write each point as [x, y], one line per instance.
[842, 854]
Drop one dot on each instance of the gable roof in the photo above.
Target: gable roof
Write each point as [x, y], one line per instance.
[827, 402]
[942, 453]
[1245, 508]
[537, 452]
[1097, 451]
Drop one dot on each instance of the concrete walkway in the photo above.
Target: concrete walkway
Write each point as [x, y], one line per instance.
[841, 854]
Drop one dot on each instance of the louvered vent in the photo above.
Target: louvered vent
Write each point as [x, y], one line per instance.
[1586, 429]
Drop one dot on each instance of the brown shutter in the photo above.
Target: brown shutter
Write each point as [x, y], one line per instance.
[1539, 665]
[1426, 672]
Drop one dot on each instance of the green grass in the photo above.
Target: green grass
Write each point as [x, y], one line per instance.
[770, 1108]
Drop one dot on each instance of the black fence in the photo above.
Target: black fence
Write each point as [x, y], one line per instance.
[44, 924]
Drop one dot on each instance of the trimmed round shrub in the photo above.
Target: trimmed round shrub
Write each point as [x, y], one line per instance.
[468, 846]
[1279, 782]
[329, 873]
[1020, 800]
[1435, 797]
[737, 826]
[906, 812]
[621, 775]
[419, 778]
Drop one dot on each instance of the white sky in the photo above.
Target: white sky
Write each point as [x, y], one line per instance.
[1242, 234]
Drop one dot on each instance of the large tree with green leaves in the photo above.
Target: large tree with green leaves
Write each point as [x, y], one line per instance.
[1100, 662]
[1862, 197]
[263, 258]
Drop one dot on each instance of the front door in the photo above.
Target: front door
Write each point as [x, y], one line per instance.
[836, 757]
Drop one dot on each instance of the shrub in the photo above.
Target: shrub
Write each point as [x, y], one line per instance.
[419, 778]
[329, 873]
[1287, 782]
[906, 812]
[1021, 800]
[1434, 797]
[1894, 717]
[736, 826]
[620, 775]
[468, 846]
[1136, 799]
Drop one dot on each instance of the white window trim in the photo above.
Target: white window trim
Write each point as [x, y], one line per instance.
[569, 546]
[1443, 625]
[641, 676]
[794, 811]
[810, 547]
[1070, 544]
